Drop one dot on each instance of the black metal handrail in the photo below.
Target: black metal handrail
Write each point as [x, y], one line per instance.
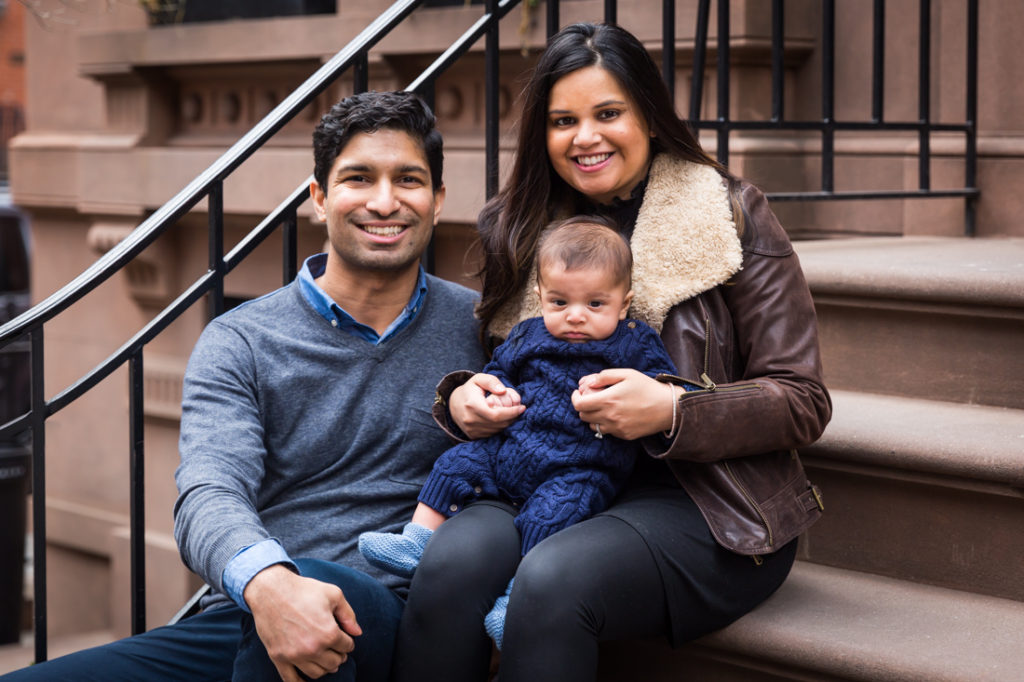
[209, 185]
[828, 125]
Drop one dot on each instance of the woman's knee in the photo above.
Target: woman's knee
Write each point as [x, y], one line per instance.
[553, 588]
[478, 547]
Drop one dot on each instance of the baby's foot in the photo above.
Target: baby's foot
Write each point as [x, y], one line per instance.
[398, 554]
[494, 621]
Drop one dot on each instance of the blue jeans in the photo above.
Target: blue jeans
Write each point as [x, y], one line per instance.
[221, 643]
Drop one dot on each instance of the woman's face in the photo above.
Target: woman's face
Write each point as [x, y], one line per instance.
[598, 141]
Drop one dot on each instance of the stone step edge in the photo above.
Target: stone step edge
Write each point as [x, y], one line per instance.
[859, 626]
[953, 270]
[973, 442]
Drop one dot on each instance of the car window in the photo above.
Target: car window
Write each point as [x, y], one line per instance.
[14, 274]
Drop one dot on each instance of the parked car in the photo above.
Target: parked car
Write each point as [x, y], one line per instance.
[15, 299]
[15, 400]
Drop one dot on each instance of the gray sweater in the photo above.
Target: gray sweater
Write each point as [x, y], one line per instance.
[295, 430]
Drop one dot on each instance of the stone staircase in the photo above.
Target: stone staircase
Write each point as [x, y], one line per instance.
[916, 570]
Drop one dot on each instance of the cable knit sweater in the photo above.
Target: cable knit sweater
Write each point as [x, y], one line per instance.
[548, 462]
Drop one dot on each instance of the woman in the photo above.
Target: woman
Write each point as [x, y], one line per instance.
[706, 528]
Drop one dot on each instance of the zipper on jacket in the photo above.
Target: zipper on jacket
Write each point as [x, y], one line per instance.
[710, 385]
[742, 489]
[705, 379]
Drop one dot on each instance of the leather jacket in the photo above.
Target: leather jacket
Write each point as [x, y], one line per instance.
[736, 316]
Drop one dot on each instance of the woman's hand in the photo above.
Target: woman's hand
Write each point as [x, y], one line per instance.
[625, 403]
[483, 406]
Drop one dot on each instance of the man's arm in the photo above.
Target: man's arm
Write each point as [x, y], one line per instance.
[222, 455]
[304, 623]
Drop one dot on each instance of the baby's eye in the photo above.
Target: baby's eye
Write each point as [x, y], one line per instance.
[558, 302]
[596, 304]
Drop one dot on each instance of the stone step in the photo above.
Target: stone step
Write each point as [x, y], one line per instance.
[921, 490]
[21, 654]
[925, 317]
[829, 625]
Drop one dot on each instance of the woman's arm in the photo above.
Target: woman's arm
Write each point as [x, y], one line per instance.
[776, 398]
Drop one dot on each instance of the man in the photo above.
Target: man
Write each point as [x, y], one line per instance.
[306, 420]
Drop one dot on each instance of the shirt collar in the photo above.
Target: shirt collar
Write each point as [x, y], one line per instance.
[325, 306]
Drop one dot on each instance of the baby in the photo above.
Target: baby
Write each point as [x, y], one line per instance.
[549, 463]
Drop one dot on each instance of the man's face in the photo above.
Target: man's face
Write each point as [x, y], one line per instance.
[379, 205]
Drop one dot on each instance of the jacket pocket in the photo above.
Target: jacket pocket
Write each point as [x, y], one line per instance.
[753, 505]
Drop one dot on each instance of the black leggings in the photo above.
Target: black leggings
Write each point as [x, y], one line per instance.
[647, 567]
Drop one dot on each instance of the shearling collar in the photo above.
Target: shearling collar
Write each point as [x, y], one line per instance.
[684, 243]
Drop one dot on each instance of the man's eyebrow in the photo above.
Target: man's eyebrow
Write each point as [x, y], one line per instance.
[413, 168]
[366, 168]
[353, 168]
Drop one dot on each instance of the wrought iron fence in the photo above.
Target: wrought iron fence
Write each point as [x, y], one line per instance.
[28, 327]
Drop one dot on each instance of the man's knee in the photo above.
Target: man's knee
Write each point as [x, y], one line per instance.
[369, 598]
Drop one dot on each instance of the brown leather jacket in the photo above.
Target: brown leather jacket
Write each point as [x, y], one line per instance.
[737, 317]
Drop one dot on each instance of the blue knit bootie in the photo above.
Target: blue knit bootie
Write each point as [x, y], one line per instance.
[397, 554]
[494, 621]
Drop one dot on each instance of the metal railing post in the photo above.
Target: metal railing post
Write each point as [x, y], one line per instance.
[668, 46]
[491, 76]
[289, 246]
[137, 492]
[700, 53]
[878, 62]
[971, 115]
[924, 90]
[828, 49]
[778, 61]
[38, 421]
[215, 243]
[722, 146]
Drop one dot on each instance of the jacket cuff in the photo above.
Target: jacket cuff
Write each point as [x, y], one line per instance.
[444, 494]
[440, 411]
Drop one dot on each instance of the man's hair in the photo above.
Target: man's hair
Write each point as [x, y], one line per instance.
[369, 112]
[586, 241]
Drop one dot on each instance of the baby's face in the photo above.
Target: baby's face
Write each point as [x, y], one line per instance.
[579, 305]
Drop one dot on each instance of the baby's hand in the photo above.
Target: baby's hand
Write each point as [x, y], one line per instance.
[587, 384]
[510, 398]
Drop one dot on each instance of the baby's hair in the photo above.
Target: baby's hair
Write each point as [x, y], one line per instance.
[586, 241]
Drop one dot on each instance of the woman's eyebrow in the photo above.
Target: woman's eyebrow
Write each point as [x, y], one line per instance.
[599, 105]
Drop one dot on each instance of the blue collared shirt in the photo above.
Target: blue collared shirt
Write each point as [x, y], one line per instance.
[332, 312]
[250, 560]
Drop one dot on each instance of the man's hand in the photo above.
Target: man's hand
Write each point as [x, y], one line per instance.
[303, 623]
[483, 406]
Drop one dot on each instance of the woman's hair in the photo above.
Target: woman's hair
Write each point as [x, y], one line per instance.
[585, 242]
[510, 223]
